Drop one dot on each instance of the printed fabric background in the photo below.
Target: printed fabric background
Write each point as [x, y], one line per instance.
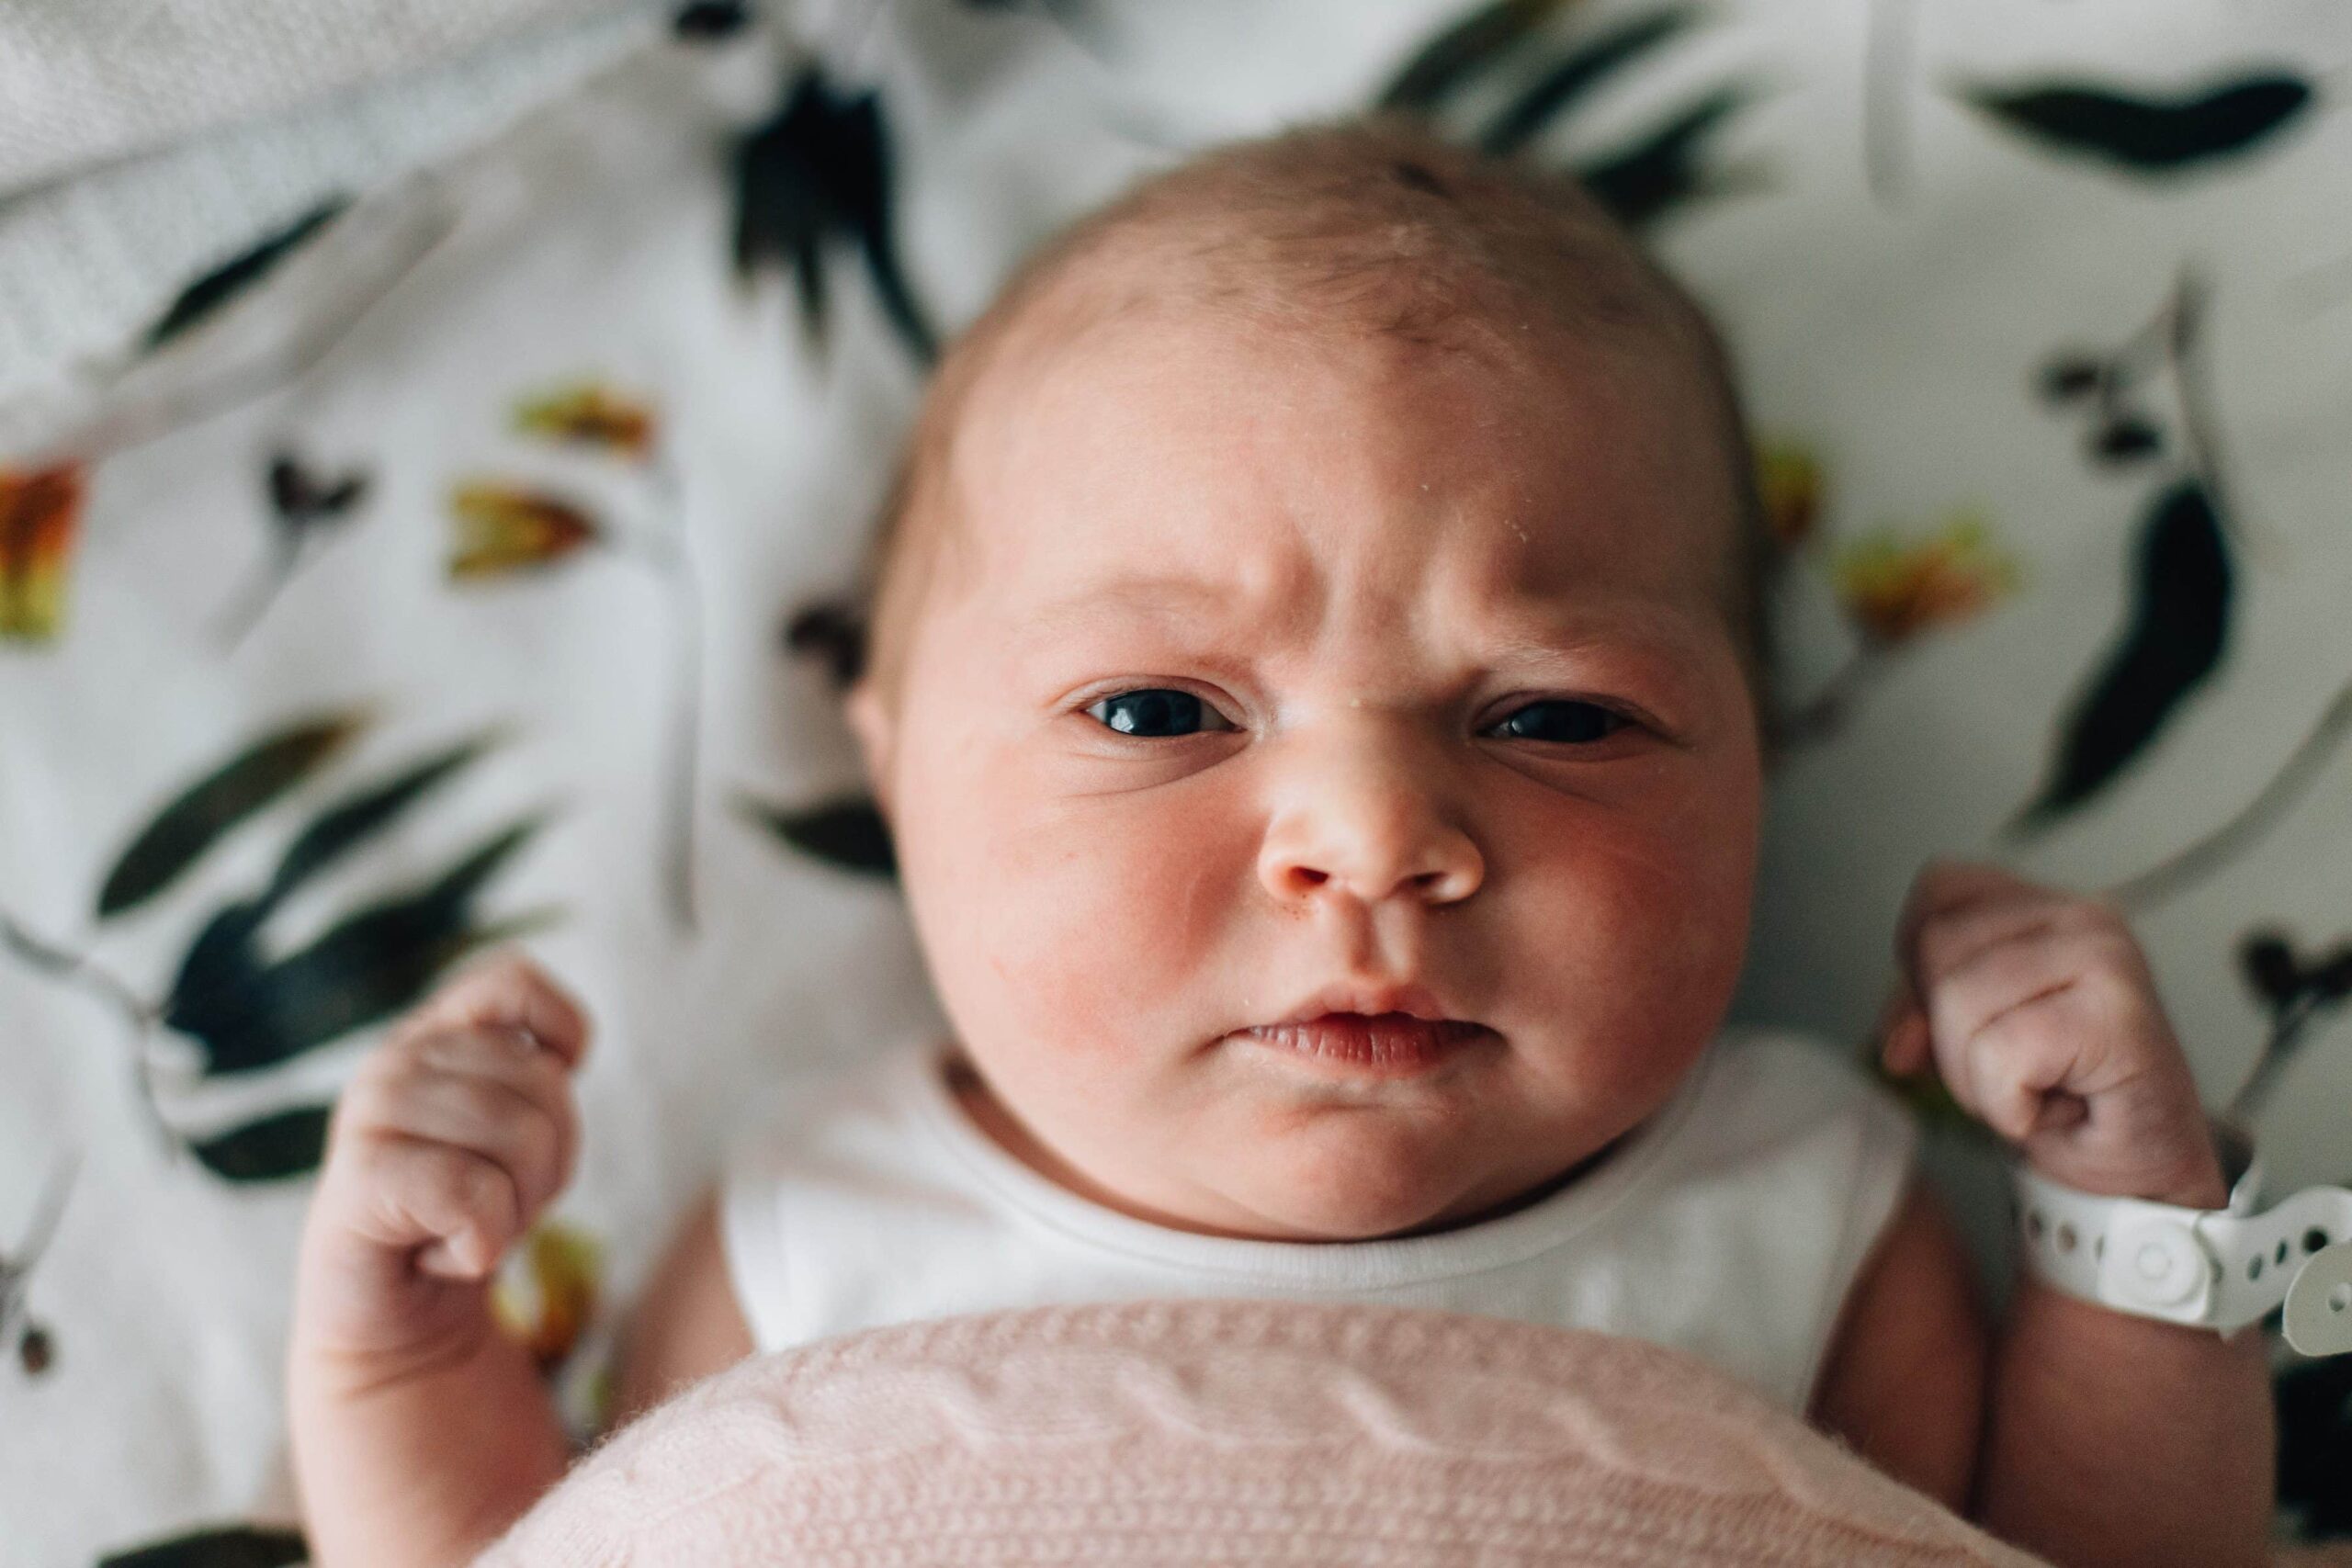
[454, 552]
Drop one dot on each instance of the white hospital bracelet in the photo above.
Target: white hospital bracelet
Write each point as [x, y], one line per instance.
[2219, 1268]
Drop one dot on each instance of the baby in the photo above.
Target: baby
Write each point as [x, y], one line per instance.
[1315, 690]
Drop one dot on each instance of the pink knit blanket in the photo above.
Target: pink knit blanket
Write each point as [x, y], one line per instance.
[1229, 1432]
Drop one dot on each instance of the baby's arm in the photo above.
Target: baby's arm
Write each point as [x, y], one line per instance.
[419, 1431]
[687, 1325]
[2108, 1438]
[1904, 1379]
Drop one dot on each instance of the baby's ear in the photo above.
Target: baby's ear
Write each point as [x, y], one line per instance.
[871, 721]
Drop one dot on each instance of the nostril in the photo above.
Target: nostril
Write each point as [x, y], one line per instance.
[1308, 877]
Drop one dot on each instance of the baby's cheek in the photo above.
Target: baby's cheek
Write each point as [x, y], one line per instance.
[1107, 915]
[1642, 920]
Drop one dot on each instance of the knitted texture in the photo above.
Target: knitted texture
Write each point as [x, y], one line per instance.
[1229, 1432]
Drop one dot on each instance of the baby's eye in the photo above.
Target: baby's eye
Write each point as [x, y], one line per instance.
[1571, 722]
[1156, 711]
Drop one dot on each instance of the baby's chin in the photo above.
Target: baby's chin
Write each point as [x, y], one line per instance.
[1364, 1187]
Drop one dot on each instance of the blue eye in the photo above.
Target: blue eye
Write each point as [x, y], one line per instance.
[1157, 711]
[1571, 723]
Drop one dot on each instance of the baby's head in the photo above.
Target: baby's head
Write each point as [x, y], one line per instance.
[1325, 584]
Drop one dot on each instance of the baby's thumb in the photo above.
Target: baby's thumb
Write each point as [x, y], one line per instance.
[1904, 1045]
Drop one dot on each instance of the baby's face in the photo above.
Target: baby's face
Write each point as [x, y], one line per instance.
[1267, 677]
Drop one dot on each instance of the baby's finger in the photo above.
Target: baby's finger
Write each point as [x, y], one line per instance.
[532, 1144]
[1944, 888]
[501, 1056]
[505, 1056]
[1902, 1032]
[2022, 1085]
[1950, 944]
[457, 1212]
[508, 990]
[2012, 1031]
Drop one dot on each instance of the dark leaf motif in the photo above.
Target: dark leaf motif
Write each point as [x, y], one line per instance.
[847, 832]
[344, 826]
[2268, 966]
[2072, 376]
[2126, 438]
[817, 172]
[707, 21]
[1560, 88]
[2149, 135]
[2271, 968]
[304, 507]
[833, 635]
[221, 967]
[201, 298]
[299, 497]
[288, 1143]
[247, 1016]
[2178, 630]
[1472, 45]
[238, 1546]
[1661, 172]
[2330, 980]
[191, 824]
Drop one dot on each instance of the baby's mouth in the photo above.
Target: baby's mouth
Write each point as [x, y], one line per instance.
[1383, 1044]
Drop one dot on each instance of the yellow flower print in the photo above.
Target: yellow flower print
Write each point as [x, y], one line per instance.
[1789, 483]
[589, 413]
[503, 529]
[41, 510]
[1892, 589]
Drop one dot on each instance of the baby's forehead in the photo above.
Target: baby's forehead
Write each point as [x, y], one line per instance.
[1343, 235]
[1223, 448]
[1478, 279]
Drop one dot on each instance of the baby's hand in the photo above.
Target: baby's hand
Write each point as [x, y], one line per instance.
[449, 1141]
[2038, 1011]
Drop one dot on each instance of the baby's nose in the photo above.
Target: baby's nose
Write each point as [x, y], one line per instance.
[1366, 828]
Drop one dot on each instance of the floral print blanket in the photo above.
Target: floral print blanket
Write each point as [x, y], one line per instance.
[462, 563]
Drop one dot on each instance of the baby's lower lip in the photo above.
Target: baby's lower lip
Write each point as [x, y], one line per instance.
[1386, 1045]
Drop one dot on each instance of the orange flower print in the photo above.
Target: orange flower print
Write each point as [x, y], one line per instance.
[1894, 589]
[545, 1303]
[503, 529]
[589, 413]
[1789, 483]
[40, 510]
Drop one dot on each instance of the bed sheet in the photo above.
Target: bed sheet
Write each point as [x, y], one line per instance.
[462, 563]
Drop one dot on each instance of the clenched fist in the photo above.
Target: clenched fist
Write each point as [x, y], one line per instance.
[2036, 1008]
[448, 1142]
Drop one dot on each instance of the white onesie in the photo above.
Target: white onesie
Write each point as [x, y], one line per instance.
[1729, 1226]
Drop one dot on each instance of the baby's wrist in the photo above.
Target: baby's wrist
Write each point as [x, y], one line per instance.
[2184, 1170]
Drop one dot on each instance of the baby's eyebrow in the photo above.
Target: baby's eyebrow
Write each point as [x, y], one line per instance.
[1135, 595]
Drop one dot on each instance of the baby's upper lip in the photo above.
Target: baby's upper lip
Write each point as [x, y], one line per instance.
[1415, 1001]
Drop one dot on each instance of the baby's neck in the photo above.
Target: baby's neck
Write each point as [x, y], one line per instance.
[999, 1126]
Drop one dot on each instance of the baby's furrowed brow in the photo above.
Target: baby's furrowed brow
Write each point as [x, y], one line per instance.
[1188, 598]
